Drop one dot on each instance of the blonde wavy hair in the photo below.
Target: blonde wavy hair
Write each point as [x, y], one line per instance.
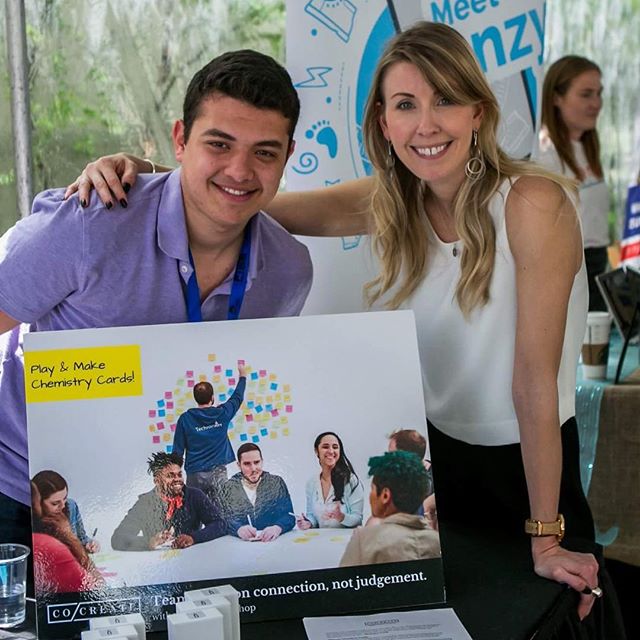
[400, 230]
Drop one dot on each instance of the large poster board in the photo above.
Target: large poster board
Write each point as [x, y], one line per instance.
[101, 401]
[333, 47]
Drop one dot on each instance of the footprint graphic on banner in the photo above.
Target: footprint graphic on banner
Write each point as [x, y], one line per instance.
[325, 135]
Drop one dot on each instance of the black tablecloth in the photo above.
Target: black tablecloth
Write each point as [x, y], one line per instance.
[490, 585]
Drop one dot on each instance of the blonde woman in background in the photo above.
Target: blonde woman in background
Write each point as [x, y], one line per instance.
[569, 145]
[488, 254]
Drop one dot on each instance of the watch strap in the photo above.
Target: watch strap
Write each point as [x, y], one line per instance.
[538, 528]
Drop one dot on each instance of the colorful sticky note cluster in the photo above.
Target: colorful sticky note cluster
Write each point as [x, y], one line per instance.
[262, 414]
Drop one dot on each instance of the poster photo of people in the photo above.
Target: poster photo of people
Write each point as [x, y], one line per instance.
[286, 457]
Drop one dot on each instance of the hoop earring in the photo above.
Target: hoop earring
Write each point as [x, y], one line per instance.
[475, 167]
[391, 158]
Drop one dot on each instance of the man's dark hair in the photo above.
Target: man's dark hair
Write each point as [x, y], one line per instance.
[248, 446]
[245, 75]
[404, 475]
[159, 460]
[410, 440]
[203, 392]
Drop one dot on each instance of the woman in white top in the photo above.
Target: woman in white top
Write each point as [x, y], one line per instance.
[488, 253]
[335, 497]
[569, 145]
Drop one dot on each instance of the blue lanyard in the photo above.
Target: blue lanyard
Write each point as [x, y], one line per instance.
[238, 287]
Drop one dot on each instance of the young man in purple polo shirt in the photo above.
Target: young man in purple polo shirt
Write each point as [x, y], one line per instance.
[70, 266]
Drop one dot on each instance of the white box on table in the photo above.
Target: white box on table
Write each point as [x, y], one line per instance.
[231, 594]
[201, 624]
[135, 619]
[217, 602]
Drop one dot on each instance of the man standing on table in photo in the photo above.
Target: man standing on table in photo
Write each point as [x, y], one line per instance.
[203, 433]
[193, 245]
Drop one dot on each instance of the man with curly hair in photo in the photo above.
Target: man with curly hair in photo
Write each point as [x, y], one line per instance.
[399, 484]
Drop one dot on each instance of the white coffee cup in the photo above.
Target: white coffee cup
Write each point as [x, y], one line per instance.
[595, 347]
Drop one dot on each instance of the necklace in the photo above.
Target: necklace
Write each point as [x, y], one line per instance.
[443, 226]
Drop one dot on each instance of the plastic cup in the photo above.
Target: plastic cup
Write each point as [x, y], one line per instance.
[13, 584]
[595, 348]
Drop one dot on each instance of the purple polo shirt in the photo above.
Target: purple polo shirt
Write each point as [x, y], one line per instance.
[65, 267]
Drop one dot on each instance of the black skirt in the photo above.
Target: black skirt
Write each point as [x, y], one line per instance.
[486, 484]
[486, 487]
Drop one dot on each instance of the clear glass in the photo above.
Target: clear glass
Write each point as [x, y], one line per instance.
[13, 584]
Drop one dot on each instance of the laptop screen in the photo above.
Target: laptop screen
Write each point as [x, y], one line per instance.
[621, 291]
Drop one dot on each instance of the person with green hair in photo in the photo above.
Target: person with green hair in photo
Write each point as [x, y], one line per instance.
[399, 484]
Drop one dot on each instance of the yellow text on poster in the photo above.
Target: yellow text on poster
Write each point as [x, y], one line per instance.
[83, 374]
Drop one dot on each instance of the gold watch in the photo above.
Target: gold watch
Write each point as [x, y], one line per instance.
[537, 528]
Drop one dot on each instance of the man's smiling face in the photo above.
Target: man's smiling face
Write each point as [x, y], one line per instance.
[169, 481]
[232, 160]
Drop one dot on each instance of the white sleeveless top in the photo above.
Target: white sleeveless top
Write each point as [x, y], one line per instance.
[467, 366]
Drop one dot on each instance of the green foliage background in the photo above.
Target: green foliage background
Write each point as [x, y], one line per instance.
[108, 75]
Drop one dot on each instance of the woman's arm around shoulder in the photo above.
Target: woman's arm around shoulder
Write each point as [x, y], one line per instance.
[112, 177]
[336, 210]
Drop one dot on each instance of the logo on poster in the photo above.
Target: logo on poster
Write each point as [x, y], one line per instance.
[77, 611]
